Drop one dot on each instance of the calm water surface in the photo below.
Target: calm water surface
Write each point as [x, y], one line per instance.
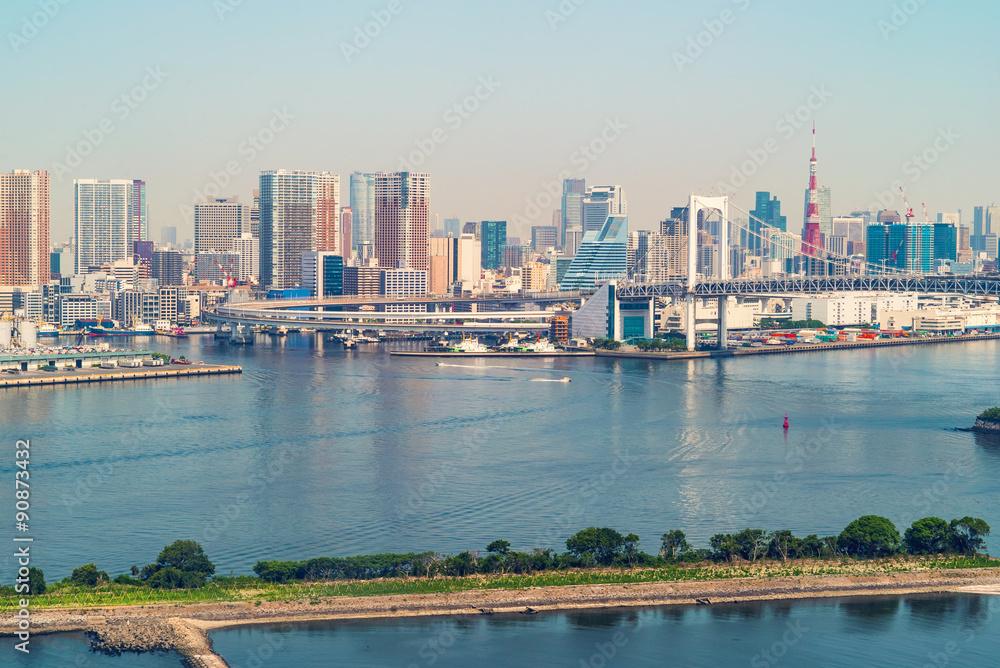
[316, 451]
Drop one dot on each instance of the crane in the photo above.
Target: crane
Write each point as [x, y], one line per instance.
[906, 205]
[927, 218]
[230, 281]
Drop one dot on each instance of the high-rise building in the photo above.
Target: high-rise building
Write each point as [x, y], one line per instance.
[470, 258]
[346, 231]
[167, 267]
[363, 206]
[443, 269]
[767, 212]
[288, 225]
[601, 202]
[978, 228]
[402, 216]
[254, 214]
[138, 219]
[574, 190]
[323, 273]
[218, 222]
[493, 237]
[452, 226]
[214, 266]
[247, 246]
[946, 242]
[544, 236]
[168, 235]
[24, 228]
[603, 255]
[328, 214]
[105, 214]
[513, 256]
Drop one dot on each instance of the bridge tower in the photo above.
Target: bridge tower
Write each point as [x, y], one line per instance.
[696, 205]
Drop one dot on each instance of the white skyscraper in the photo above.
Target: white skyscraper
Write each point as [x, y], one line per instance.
[108, 217]
[247, 247]
[601, 202]
[288, 224]
[218, 222]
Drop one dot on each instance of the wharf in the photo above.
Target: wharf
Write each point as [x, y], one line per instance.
[428, 353]
[799, 347]
[77, 376]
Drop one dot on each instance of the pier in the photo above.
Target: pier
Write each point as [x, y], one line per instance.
[75, 377]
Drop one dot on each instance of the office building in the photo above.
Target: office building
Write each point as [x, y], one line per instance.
[346, 232]
[218, 222]
[452, 226]
[601, 202]
[364, 281]
[493, 239]
[573, 193]
[513, 256]
[248, 248]
[167, 267]
[323, 273]
[168, 235]
[108, 216]
[602, 256]
[402, 283]
[544, 237]
[24, 228]
[443, 268]
[288, 225]
[254, 214]
[470, 256]
[328, 214]
[363, 206]
[766, 213]
[402, 216]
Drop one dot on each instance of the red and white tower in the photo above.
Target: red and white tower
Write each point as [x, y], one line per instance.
[812, 240]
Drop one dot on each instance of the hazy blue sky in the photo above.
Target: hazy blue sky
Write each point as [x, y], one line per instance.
[893, 79]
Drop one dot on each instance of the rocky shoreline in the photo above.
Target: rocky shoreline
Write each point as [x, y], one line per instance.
[185, 628]
[984, 426]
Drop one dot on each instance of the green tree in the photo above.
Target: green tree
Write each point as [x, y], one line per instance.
[968, 535]
[36, 581]
[604, 545]
[929, 535]
[186, 555]
[501, 547]
[631, 548]
[783, 544]
[88, 576]
[724, 547]
[870, 536]
[673, 543]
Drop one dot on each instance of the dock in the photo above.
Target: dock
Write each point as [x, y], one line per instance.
[428, 353]
[78, 376]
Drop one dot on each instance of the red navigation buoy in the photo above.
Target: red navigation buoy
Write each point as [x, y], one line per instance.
[786, 420]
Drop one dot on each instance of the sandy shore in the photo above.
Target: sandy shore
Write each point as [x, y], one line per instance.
[187, 625]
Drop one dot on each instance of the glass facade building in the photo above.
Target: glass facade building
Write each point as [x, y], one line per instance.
[493, 239]
[603, 255]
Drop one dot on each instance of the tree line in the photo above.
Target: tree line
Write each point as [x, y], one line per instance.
[184, 564]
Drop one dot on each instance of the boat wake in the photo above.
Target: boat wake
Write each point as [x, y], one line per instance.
[550, 380]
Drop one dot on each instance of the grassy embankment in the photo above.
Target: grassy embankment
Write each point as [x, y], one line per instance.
[245, 589]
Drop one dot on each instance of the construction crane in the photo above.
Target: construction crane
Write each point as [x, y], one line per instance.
[927, 218]
[906, 204]
[230, 281]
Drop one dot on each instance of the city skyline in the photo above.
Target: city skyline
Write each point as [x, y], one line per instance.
[498, 117]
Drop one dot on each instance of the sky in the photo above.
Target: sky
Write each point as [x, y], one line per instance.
[500, 101]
